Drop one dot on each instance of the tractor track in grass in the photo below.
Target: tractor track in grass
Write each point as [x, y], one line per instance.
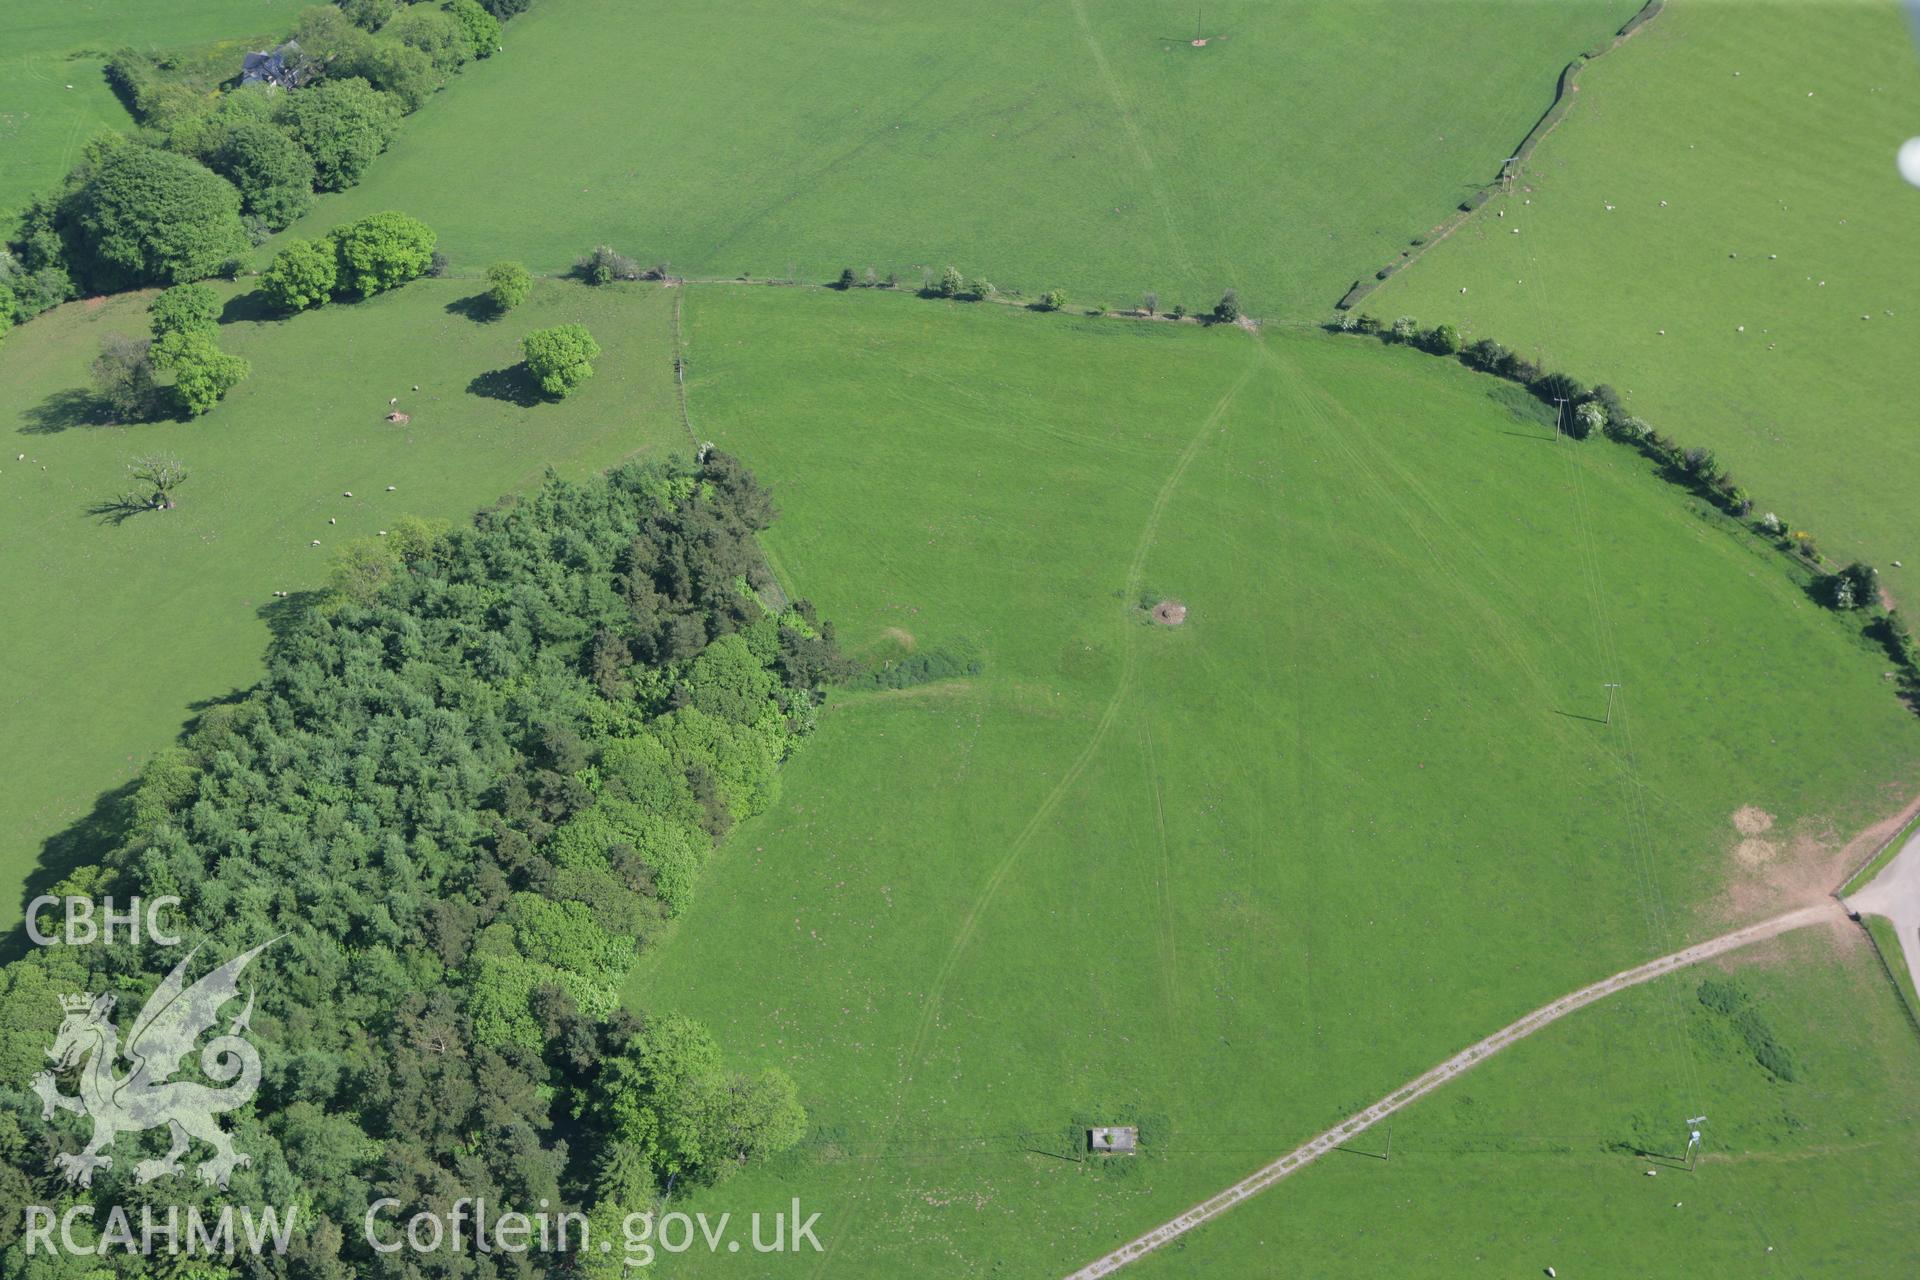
[1136, 571]
[1458, 1065]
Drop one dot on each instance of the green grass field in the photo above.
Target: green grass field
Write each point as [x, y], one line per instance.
[1233, 880]
[1515, 1168]
[53, 95]
[116, 632]
[1242, 877]
[1769, 131]
[1085, 144]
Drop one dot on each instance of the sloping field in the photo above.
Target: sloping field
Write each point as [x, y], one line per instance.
[53, 96]
[1086, 144]
[1531, 1163]
[1235, 879]
[1727, 177]
[116, 633]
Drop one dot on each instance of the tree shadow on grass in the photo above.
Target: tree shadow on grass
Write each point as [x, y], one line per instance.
[478, 308]
[284, 614]
[514, 384]
[88, 840]
[117, 511]
[83, 843]
[63, 410]
[250, 307]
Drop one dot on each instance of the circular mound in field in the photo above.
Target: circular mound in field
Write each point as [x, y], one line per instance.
[1169, 613]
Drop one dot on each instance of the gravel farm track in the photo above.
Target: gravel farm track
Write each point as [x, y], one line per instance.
[1459, 1064]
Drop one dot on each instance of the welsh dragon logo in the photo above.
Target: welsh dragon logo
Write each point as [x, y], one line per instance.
[145, 1098]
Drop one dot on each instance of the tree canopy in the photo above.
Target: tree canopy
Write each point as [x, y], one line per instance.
[302, 275]
[560, 358]
[463, 792]
[273, 173]
[381, 251]
[185, 308]
[202, 372]
[343, 124]
[140, 216]
[508, 284]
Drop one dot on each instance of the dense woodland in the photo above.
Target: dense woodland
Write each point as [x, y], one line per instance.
[484, 769]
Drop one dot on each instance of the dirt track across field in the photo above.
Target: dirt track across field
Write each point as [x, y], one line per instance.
[1457, 1065]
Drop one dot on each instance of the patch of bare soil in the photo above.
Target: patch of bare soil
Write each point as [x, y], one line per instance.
[1796, 868]
[1750, 820]
[1169, 613]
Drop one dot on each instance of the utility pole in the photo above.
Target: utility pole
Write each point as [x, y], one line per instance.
[1610, 689]
[1560, 416]
[1693, 1139]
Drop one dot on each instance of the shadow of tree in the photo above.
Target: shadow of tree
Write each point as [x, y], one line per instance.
[252, 306]
[282, 615]
[514, 384]
[478, 308]
[83, 843]
[119, 510]
[63, 410]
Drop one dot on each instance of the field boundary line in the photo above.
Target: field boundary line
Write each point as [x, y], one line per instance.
[1459, 1064]
[1565, 87]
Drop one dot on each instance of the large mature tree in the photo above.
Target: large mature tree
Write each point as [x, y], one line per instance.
[483, 29]
[142, 216]
[343, 124]
[185, 308]
[302, 275]
[560, 358]
[123, 377]
[438, 34]
[380, 252]
[508, 284]
[273, 173]
[202, 372]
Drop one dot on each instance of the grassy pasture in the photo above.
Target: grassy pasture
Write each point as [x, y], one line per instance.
[1769, 131]
[115, 632]
[1084, 144]
[1242, 877]
[1510, 1170]
[47, 45]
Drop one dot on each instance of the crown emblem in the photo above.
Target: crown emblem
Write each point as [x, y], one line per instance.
[79, 1003]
